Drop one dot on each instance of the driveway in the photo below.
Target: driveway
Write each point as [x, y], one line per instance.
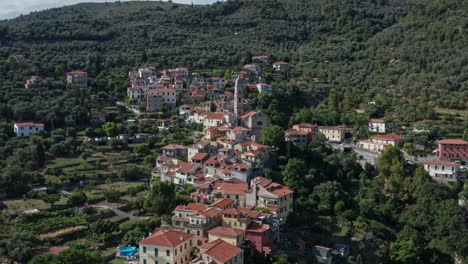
[120, 212]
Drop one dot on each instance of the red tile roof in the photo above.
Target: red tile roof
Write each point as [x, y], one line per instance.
[296, 132]
[167, 238]
[273, 187]
[442, 162]
[453, 141]
[305, 125]
[377, 121]
[186, 167]
[226, 231]
[200, 156]
[34, 124]
[197, 207]
[388, 137]
[223, 203]
[249, 114]
[221, 251]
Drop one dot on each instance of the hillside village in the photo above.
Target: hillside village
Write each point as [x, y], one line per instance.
[233, 209]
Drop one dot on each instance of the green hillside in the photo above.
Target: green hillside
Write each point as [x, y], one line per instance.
[407, 55]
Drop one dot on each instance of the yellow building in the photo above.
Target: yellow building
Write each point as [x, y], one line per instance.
[233, 236]
[333, 133]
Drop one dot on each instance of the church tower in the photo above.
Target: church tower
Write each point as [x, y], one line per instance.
[239, 97]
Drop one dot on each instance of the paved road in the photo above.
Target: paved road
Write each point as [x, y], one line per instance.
[130, 108]
[120, 212]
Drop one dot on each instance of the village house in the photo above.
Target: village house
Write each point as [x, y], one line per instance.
[234, 189]
[443, 169]
[174, 151]
[19, 57]
[281, 66]
[378, 143]
[261, 58]
[273, 196]
[217, 119]
[299, 139]
[186, 110]
[452, 149]
[264, 88]
[253, 68]
[157, 98]
[146, 72]
[262, 237]
[166, 246]
[219, 82]
[233, 236]
[313, 129]
[220, 252]
[183, 72]
[26, 129]
[333, 133]
[34, 80]
[380, 126]
[137, 94]
[78, 78]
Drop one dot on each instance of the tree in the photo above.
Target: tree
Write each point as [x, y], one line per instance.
[131, 172]
[133, 237]
[18, 247]
[141, 149]
[273, 136]
[110, 128]
[77, 198]
[50, 198]
[294, 174]
[38, 155]
[102, 229]
[161, 198]
[112, 195]
[85, 155]
[406, 252]
[89, 132]
[69, 256]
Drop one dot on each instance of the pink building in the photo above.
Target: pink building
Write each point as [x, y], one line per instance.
[453, 149]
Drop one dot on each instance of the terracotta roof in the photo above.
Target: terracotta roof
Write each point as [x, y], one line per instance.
[174, 146]
[160, 90]
[226, 231]
[306, 125]
[377, 121]
[453, 141]
[233, 188]
[34, 124]
[200, 156]
[186, 167]
[273, 187]
[197, 207]
[249, 114]
[442, 162]
[223, 203]
[389, 137]
[296, 132]
[167, 238]
[210, 212]
[221, 251]
[216, 115]
[280, 62]
[255, 227]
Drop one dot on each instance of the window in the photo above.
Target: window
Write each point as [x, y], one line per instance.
[144, 261]
[155, 251]
[156, 262]
[144, 249]
[168, 253]
[175, 251]
[198, 233]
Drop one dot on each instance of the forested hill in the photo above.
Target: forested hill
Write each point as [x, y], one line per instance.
[414, 50]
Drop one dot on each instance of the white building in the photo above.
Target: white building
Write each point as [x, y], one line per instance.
[26, 129]
[443, 169]
[219, 82]
[380, 126]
